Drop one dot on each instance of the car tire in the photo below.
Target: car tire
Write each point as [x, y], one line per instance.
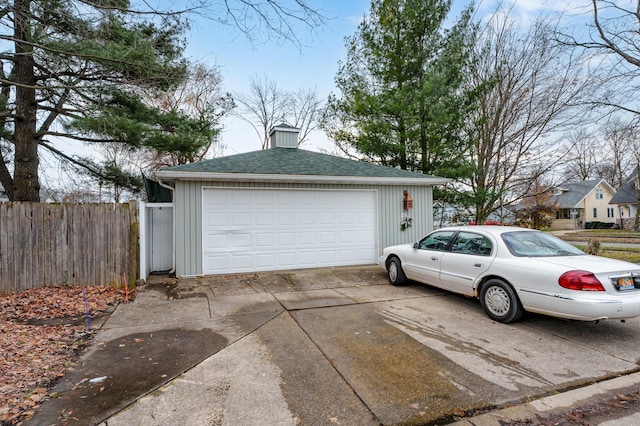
[500, 301]
[395, 273]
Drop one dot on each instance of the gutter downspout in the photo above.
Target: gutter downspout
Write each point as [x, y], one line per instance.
[173, 228]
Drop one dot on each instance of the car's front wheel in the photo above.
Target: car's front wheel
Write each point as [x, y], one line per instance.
[395, 273]
[500, 301]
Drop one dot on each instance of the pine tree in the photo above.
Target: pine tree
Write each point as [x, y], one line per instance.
[402, 99]
[74, 61]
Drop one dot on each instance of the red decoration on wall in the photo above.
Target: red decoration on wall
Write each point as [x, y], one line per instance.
[407, 202]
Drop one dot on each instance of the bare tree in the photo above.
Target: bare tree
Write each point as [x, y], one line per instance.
[530, 86]
[200, 96]
[583, 154]
[266, 105]
[285, 20]
[604, 153]
[116, 155]
[620, 139]
[262, 107]
[636, 223]
[304, 109]
[613, 38]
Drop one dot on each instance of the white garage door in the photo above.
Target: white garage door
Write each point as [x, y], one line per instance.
[262, 230]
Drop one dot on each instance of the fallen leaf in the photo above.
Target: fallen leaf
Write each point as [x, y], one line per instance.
[42, 333]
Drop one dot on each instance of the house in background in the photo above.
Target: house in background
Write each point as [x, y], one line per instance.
[288, 208]
[583, 205]
[626, 202]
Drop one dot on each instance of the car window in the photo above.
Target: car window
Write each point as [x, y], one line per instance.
[538, 244]
[436, 241]
[472, 243]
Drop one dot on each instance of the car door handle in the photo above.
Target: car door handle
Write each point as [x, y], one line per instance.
[478, 265]
[435, 259]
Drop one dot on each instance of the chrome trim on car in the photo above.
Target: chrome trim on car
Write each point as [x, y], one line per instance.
[572, 299]
[464, 277]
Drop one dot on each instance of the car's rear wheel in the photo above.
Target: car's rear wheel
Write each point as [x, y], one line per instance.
[500, 301]
[395, 273]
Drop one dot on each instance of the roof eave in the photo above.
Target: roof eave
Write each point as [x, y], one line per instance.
[251, 177]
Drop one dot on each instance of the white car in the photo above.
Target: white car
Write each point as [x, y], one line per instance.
[513, 270]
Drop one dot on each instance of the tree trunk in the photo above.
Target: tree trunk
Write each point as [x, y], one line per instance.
[25, 178]
[636, 223]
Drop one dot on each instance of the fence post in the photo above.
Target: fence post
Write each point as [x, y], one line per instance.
[134, 251]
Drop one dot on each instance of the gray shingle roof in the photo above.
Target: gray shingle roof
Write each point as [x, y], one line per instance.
[626, 194]
[573, 193]
[292, 161]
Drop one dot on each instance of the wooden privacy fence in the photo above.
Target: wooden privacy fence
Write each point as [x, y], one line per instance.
[67, 244]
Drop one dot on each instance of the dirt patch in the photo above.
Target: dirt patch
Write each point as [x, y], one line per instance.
[363, 276]
[176, 290]
[120, 371]
[598, 411]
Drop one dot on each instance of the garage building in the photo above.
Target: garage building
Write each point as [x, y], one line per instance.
[288, 208]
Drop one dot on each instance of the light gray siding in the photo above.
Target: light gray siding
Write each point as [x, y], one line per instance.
[284, 139]
[188, 216]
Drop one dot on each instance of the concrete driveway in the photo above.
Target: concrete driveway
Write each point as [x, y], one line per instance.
[332, 346]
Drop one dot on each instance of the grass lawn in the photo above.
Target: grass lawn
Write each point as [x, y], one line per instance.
[604, 236]
[630, 254]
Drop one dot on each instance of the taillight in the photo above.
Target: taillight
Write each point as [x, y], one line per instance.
[580, 280]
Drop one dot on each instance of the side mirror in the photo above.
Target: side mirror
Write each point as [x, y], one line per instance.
[415, 245]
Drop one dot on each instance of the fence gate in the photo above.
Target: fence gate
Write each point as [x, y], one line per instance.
[156, 248]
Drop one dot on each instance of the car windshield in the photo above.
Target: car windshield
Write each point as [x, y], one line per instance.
[538, 244]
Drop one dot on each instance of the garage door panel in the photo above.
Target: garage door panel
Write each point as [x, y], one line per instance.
[214, 218]
[364, 237]
[326, 218]
[264, 200]
[347, 218]
[215, 241]
[265, 240]
[327, 257]
[264, 260]
[286, 218]
[241, 262]
[307, 218]
[346, 255]
[306, 238]
[240, 241]
[240, 219]
[307, 258]
[307, 198]
[326, 237]
[264, 219]
[217, 264]
[286, 239]
[264, 229]
[346, 237]
[286, 260]
[285, 198]
[238, 199]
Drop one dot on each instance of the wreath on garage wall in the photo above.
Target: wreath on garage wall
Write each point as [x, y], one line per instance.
[405, 223]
